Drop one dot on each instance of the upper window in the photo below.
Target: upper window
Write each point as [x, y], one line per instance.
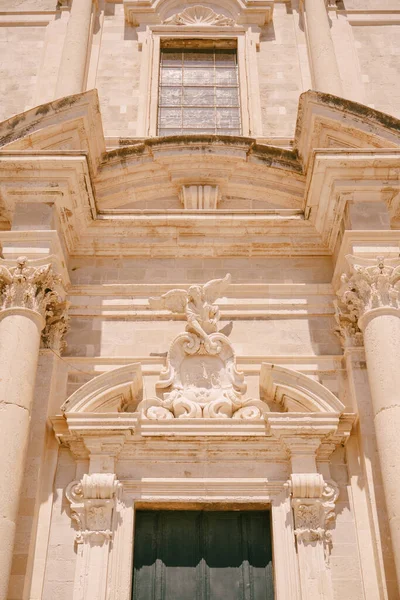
[198, 90]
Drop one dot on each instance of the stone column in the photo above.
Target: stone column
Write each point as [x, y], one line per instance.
[370, 296]
[71, 77]
[326, 76]
[27, 295]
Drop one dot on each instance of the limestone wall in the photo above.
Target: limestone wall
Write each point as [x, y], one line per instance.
[283, 71]
[31, 45]
[21, 51]
[378, 51]
[117, 75]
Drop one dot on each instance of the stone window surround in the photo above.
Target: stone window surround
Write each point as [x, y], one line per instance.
[247, 43]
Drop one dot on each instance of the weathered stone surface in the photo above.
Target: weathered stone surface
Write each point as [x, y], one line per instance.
[258, 403]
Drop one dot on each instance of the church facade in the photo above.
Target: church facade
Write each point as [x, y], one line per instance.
[199, 300]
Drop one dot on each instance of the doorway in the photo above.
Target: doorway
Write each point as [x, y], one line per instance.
[202, 555]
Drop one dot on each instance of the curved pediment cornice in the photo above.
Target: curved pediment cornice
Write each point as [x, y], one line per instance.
[109, 392]
[296, 392]
[140, 188]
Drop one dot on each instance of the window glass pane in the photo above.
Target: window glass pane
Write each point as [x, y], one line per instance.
[169, 131]
[198, 131]
[170, 96]
[198, 59]
[198, 92]
[228, 131]
[198, 76]
[199, 118]
[227, 97]
[195, 96]
[226, 76]
[170, 117]
[225, 59]
[173, 59]
[227, 117]
[171, 76]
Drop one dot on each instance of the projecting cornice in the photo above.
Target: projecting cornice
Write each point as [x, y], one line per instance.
[280, 202]
[252, 12]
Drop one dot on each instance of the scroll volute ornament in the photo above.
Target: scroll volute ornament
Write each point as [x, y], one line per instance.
[200, 379]
[93, 502]
[313, 502]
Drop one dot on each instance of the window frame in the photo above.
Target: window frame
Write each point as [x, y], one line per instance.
[184, 88]
[246, 41]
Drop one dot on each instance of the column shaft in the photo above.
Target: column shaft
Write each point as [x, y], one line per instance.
[382, 350]
[71, 77]
[19, 349]
[321, 50]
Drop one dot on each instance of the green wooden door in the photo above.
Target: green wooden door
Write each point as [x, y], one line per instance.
[202, 555]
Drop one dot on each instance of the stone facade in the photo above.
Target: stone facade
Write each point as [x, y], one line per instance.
[199, 320]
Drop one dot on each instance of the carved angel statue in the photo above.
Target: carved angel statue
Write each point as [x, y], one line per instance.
[197, 304]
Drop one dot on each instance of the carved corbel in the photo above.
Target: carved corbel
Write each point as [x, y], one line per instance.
[93, 502]
[313, 503]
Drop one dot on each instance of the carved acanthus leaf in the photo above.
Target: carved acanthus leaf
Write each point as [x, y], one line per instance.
[25, 286]
[199, 15]
[57, 325]
[347, 328]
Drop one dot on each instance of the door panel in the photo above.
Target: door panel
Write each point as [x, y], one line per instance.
[202, 555]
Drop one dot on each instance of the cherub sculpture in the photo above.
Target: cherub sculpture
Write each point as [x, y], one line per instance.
[197, 304]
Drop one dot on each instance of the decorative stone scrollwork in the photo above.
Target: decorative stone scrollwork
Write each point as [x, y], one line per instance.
[92, 506]
[372, 284]
[314, 512]
[199, 15]
[200, 379]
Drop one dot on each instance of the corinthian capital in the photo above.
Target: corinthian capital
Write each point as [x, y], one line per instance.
[38, 289]
[371, 284]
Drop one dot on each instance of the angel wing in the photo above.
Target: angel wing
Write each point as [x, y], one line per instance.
[5, 275]
[174, 300]
[215, 288]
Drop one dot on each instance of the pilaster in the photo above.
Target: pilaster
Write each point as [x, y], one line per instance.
[93, 502]
[313, 504]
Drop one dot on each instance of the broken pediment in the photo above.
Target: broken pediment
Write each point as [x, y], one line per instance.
[296, 392]
[149, 193]
[109, 392]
